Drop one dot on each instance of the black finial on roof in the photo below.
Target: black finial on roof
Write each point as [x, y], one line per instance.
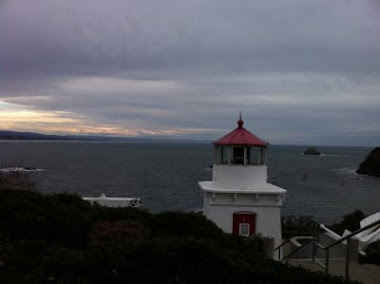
[240, 121]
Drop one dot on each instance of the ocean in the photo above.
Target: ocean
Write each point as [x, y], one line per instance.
[165, 175]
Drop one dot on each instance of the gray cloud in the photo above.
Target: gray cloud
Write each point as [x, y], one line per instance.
[94, 36]
[300, 71]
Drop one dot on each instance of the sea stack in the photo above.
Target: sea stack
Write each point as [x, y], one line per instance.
[371, 164]
[311, 151]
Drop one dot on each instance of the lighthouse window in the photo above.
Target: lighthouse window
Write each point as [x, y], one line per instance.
[223, 155]
[244, 229]
[254, 156]
[262, 156]
[238, 157]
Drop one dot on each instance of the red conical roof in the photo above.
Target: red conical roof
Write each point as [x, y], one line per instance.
[240, 136]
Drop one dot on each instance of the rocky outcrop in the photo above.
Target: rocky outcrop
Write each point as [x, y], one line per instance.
[311, 151]
[371, 164]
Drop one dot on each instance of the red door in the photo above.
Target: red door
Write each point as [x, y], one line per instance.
[244, 224]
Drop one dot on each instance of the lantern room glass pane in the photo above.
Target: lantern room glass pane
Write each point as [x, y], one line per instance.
[254, 155]
[224, 155]
[238, 155]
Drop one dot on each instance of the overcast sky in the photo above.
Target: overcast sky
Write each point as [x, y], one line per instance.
[301, 72]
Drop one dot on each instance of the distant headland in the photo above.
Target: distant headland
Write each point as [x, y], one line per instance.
[371, 164]
[33, 136]
[16, 135]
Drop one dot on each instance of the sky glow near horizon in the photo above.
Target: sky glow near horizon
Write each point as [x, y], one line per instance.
[301, 72]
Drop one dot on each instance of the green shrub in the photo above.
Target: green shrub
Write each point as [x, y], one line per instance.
[71, 199]
[16, 180]
[291, 225]
[47, 237]
[350, 222]
[372, 254]
[171, 260]
[112, 214]
[182, 224]
[118, 231]
[27, 215]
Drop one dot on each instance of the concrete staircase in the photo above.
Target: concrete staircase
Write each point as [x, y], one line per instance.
[367, 273]
[325, 251]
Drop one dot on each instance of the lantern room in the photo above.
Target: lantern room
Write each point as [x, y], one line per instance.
[240, 159]
[240, 147]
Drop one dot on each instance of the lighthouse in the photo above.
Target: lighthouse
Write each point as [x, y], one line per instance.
[239, 198]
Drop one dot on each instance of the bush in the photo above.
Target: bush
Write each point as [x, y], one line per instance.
[118, 232]
[291, 225]
[182, 224]
[372, 254]
[27, 215]
[16, 180]
[48, 237]
[71, 199]
[173, 260]
[113, 214]
[350, 222]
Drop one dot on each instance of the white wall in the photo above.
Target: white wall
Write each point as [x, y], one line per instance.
[268, 217]
[239, 176]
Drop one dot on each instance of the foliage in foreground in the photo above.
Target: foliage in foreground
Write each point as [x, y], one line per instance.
[373, 254]
[15, 180]
[293, 225]
[350, 222]
[61, 237]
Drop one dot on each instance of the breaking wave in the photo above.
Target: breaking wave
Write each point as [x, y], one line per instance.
[20, 169]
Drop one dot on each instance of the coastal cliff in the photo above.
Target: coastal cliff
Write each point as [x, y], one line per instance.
[371, 164]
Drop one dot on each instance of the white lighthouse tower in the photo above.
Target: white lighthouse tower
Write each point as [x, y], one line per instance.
[239, 199]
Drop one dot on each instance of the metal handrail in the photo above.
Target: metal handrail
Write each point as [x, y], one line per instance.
[352, 234]
[288, 240]
[299, 230]
[298, 248]
[348, 238]
[327, 248]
